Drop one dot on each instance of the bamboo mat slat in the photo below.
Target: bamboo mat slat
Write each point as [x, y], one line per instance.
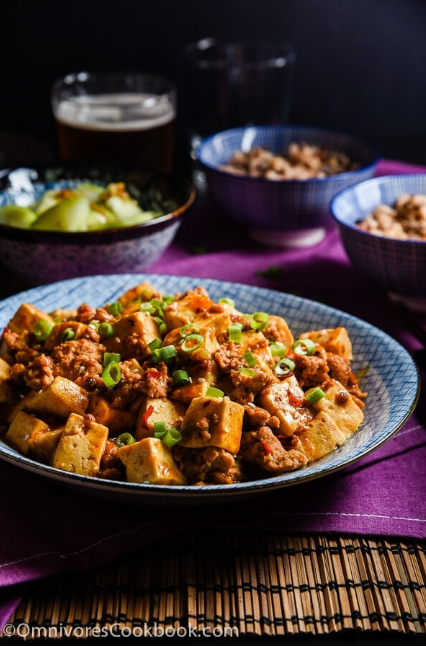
[232, 583]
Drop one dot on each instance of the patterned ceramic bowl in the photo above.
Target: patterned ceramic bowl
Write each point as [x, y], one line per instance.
[397, 265]
[40, 257]
[281, 212]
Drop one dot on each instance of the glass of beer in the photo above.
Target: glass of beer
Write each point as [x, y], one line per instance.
[118, 117]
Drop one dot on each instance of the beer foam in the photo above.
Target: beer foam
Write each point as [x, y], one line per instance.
[127, 111]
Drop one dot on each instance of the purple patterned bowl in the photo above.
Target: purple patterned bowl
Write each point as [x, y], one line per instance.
[398, 266]
[40, 257]
[289, 213]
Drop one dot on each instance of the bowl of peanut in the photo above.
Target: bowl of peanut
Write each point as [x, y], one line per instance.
[278, 181]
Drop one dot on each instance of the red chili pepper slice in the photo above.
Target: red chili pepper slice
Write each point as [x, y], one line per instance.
[267, 450]
[146, 415]
[295, 400]
[154, 374]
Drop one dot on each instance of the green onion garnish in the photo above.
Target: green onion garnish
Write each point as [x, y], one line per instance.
[181, 378]
[250, 372]
[106, 329]
[94, 324]
[212, 392]
[235, 332]
[169, 436]
[314, 395]
[147, 306]
[42, 330]
[115, 308]
[125, 439]
[228, 302]
[189, 329]
[303, 347]
[159, 429]
[111, 357]
[192, 342]
[164, 354]
[259, 320]
[278, 349]
[250, 359]
[67, 334]
[154, 344]
[284, 366]
[111, 374]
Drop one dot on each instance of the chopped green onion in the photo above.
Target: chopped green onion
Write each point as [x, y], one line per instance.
[171, 437]
[57, 320]
[250, 359]
[212, 392]
[125, 439]
[189, 329]
[161, 325]
[235, 332]
[147, 306]
[106, 329]
[158, 305]
[159, 429]
[67, 334]
[154, 344]
[228, 302]
[164, 354]
[111, 357]
[181, 378]
[42, 330]
[303, 347]
[94, 324]
[250, 372]
[278, 349]
[115, 308]
[284, 366]
[192, 342]
[111, 374]
[259, 320]
[315, 394]
[168, 298]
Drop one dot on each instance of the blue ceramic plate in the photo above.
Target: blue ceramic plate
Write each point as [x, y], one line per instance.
[375, 354]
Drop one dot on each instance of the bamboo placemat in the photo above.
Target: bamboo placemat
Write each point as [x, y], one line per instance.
[233, 584]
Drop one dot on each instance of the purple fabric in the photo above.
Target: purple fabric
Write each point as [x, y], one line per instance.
[49, 530]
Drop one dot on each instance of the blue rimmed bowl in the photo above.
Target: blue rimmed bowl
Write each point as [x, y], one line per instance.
[398, 266]
[282, 212]
[40, 257]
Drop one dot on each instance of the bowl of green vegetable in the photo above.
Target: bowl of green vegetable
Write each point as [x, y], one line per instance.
[68, 221]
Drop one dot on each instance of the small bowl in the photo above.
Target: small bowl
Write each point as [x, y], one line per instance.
[288, 213]
[398, 266]
[40, 257]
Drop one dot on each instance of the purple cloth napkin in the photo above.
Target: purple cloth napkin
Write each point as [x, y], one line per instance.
[48, 529]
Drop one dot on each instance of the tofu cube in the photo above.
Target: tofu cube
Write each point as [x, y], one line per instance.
[61, 398]
[256, 343]
[284, 400]
[20, 430]
[282, 332]
[213, 422]
[42, 443]
[339, 405]
[140, 293]
[117, 420]
[197, 389]
[81, 446]
[132, 334]
[320, 437]
[150, 461]
[182, 311]
[26, 317]
[163, 410]
[5, 386]
[334, 340]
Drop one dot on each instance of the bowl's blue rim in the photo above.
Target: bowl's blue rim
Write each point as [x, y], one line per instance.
[70, 236]
[375, 151]
[365, 183]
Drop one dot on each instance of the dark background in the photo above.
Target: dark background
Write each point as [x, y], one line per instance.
[360, 63]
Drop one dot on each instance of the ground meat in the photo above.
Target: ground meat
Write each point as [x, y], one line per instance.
[209, 465]
[86, 314]
[78, 360]
[339, 368]
[263, 448]
[311, 370]
[256, 416]
[155, 383]
[39, 373]
[228, 356]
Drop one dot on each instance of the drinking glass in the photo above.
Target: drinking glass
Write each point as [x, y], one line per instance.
[127, 118]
